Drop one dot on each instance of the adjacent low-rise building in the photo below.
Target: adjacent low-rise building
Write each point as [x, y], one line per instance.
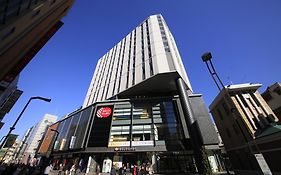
[248, 128]
[272, 95]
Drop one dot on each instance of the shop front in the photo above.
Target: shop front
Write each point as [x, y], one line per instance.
[128, 135]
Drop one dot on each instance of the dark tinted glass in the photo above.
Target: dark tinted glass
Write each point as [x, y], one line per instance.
[82, 126]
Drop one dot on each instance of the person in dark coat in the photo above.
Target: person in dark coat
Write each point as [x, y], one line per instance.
[112, 171]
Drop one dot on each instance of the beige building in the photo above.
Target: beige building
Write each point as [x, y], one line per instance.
[272, 96]
[248, 128]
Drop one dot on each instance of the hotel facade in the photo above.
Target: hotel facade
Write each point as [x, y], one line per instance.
[139, 109]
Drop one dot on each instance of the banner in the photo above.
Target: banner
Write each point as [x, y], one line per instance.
[10, 141]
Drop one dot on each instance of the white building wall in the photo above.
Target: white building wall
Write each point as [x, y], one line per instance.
[37, 133]
[159, 55]
[106, 79]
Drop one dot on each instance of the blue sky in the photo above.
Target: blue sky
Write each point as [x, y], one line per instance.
[243, 36]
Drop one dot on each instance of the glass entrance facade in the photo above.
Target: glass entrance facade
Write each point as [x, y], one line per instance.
[134, 132]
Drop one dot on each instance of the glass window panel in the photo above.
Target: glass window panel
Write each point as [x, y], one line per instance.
[122, 112]
[116, 128]
[126, 127]
[59, 129]
[119, 136]
[72, 128]
[63, 133]
[82, 126]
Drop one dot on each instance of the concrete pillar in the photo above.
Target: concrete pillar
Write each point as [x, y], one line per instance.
[193, 129]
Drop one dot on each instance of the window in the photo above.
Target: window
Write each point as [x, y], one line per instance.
[120, 134]
[142, 133]
[225, 108]
[82, 126]
[243, 100]
[255, 99]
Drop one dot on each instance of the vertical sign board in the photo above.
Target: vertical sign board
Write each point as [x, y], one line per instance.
[99, 134]
[10, 141]
[263, 165]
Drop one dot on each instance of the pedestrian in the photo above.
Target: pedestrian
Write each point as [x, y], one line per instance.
[120, 171]
[98, 169]
[112, 171]
[73, 169]
[48, 169]
[135, 170]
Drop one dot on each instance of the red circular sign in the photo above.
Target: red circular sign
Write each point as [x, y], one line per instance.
[104, 112]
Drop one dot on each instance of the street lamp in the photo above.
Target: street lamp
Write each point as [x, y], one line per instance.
[207, 58]
[13, 127]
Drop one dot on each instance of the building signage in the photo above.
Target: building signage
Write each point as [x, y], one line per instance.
[104, 112]
[143, 143]
[11, 101]
[125, 149]
[119, 144]
[99, 134]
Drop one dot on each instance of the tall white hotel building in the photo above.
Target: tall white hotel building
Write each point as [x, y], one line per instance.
[139, 109]
[149, 50]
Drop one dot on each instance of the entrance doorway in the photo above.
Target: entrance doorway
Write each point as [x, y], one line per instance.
[128, 160]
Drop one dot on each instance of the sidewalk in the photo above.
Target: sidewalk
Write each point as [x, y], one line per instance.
[56, 172]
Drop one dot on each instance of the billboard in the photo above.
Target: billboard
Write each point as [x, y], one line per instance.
[99, 133]
[10, 140]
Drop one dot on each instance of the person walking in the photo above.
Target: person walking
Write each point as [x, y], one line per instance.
[48, 169]
[112, 171]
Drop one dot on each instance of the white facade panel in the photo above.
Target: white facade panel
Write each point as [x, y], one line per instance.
[118, 65]
[105, 75]
[160, 59]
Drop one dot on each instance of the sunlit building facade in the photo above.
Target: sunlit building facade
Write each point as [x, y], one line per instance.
[139, 109]
[35, 136]
[145, 53]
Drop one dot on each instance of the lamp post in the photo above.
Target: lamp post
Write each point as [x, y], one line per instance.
[206, 57]
[13, 127]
